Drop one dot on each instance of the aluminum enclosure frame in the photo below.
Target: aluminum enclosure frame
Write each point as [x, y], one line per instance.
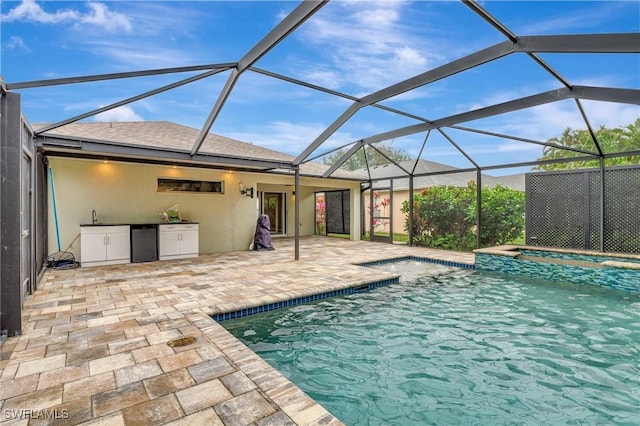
[513, 44]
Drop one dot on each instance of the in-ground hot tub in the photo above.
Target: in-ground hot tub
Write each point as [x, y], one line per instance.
[576, 266]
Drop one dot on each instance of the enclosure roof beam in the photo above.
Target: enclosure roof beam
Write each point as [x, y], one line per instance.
[344, 117]
[390, 160]
[456, 146]
[631, 153]
[587, 123]
[424, 143]
[130, 100]
[539, 162]
[483, 56]
[298, 16]
[607, 94]
[631, 96]
[315, 157]
[215, 111]
[302, 83]
[555, 74]
[522, 103]
[519, 139]
[290, 23]
[484, 14]
[340, 161]
[114, 76]
[470, 61]
[512, 165]
[580, 43]
[333, 92]
[441, 172]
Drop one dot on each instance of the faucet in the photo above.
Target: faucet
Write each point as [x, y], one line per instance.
[94, 216]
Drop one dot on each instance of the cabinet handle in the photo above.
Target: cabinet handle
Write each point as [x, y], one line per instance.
[104, 240]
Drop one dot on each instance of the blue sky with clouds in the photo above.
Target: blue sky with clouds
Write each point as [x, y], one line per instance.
[354, 47]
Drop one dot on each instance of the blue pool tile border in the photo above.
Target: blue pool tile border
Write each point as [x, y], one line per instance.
[341, 292]
[302, 300]
[420, 259]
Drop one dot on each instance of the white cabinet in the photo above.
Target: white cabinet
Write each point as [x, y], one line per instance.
[176, 241]
[105, 245]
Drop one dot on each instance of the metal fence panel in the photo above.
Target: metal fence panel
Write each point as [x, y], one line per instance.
[622, 210]
[564, 209]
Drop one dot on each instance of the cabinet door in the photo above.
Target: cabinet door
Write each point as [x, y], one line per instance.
[93, 246]
[168, 243]
[189, 241]
[118, 243]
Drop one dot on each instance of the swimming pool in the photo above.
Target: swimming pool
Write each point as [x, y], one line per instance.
[453, 346]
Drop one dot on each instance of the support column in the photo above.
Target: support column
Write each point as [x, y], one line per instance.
[479, 208]
[10, 219]
[602, 205]
[410, 210]
[297, 212]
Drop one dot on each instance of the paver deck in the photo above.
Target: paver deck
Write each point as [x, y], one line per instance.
[94, 346]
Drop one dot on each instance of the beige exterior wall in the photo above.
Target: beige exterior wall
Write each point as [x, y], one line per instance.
[399, 218]
[127, 193]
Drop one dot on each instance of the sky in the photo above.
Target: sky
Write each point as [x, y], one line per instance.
[352, 47]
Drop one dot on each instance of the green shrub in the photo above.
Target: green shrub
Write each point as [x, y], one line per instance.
[445, 216]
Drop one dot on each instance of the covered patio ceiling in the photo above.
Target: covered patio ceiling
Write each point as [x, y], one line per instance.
[421, 114]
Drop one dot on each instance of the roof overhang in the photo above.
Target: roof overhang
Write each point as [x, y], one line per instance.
[98, 149]
[94, 149]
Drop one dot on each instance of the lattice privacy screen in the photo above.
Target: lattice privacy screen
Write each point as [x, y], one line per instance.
[564, 208]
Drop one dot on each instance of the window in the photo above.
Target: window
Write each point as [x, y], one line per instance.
[188, 185]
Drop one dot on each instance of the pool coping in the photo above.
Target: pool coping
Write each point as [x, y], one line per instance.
[363, 287]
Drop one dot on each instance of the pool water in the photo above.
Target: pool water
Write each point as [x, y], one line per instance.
[451, 346]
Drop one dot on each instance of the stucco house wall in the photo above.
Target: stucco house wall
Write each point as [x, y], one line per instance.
[123, 192]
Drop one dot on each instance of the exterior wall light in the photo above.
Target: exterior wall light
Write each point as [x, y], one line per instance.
[246, 191]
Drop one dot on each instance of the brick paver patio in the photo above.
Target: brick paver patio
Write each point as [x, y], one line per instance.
[94, 348]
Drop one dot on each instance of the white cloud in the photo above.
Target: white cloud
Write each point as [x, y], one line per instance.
[123, 113]
[288, 137]
[98, 16]
[509, 147]
[546, 121]
[139, 55]
[579, 20]
[367, 46]
[30, 11]
[17, 43]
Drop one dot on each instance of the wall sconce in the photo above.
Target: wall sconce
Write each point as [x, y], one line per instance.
[248, 191]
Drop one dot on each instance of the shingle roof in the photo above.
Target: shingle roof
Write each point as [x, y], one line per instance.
[172, 136]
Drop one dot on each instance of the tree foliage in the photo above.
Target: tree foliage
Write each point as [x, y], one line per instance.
[373, 157]
[445, 216]
[622, 139]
